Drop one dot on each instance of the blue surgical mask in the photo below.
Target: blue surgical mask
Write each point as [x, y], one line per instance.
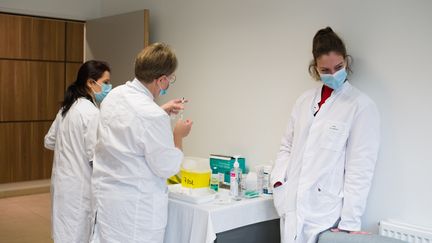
[336, 80]
[162, 91]
[105, 89]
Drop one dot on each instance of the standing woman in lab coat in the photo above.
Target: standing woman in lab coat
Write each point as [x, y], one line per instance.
[327, 156]
[72, 136]
[136, 152]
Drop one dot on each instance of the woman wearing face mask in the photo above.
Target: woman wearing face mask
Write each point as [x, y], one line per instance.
[327, 156]
[72, 136]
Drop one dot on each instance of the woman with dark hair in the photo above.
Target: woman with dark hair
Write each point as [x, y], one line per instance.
[324, 169]
[72, 136]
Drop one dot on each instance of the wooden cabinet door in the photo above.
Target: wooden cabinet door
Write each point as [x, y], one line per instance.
[24, 37]
[22, 153]
[71, 73]
[38, 56]
[30, 90]
[74, 42]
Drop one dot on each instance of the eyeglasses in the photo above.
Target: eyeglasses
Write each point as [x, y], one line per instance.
[171, 79]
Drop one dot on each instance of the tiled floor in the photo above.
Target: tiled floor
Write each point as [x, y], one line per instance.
[26, 219]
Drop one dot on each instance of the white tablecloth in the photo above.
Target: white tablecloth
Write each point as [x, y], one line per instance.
[191, 223]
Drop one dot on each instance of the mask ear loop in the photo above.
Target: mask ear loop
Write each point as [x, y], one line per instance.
[94, 92]
[166, 87]
[100, 85]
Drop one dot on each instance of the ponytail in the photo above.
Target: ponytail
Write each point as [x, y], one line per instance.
[73, 93]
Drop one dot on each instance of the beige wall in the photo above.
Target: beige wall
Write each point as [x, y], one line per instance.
[116, 40]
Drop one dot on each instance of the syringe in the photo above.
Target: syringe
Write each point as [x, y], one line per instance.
[181, 111]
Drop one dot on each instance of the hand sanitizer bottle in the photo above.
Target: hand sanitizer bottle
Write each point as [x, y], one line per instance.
[235, 181]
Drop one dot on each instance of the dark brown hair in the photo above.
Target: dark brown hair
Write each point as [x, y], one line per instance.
[154, 61]
[324, 42]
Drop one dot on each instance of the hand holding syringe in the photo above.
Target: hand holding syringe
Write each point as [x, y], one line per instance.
[182, 127]
[175, 107]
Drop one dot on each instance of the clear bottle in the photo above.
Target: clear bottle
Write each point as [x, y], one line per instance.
[214, 180]
[260, 178]
[267, 187]
[236, 181]
[243, 184]
[222, 183]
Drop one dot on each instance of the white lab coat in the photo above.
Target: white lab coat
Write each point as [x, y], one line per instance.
[326, 163]
[135, 154]
[73, 139]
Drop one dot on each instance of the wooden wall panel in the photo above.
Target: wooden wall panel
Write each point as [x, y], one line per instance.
[24, 37]
[71, 73]
[30, 90]
[33, 74]
[22, 153]
[74, 42]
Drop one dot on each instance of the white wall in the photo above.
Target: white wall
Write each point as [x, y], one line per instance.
[243, 63]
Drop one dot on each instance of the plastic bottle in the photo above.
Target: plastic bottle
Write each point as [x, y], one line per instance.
[222, 183]
[260, 178]
[235, 181]
[267, 188]
[214, 181]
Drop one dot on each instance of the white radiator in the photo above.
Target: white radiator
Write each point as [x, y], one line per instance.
[405, 232]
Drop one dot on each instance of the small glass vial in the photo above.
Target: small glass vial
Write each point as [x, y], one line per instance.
[214, 180]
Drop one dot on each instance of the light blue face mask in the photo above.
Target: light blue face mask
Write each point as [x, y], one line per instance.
[105, 89]
[171, 79]
[336, 80]
[163, 91]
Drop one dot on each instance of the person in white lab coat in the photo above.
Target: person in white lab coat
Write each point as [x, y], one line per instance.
[72, 136]
[136, 152]
[324, 169]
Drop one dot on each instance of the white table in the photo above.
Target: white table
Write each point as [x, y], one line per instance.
[199, 223]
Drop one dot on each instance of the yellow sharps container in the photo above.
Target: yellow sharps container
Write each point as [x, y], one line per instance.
[195, 172]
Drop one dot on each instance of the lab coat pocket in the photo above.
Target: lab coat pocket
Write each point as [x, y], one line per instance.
[323, 201]
[334, 135]
[160, 210]
[284, 198]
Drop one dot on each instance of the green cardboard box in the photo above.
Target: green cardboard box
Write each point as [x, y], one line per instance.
[225, 163]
